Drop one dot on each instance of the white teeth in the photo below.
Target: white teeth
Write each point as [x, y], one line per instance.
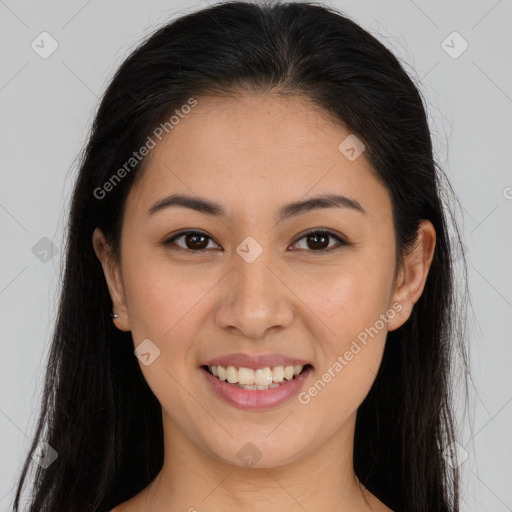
[232, 374]
[262, 378]
[245, 375]
[253, 386]
[278, 374]
[289, 372]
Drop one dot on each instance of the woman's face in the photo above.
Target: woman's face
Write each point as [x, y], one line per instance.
[253, 283]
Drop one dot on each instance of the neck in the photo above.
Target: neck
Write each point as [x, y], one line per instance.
[193, 479]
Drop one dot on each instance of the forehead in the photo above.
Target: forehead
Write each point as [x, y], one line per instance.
[255, 147]
[261, 124]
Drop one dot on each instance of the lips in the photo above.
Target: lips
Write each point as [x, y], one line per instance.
[257, 399]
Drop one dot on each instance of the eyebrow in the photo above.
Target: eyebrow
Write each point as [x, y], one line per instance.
[290, 210]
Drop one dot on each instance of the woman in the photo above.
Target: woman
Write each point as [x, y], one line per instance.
[258, 301]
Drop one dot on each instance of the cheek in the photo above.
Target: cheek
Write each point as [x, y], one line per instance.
[161, 296]
[349, 298]
[352, 303]
[350, 354]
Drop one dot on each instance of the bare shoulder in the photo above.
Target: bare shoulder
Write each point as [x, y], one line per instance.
[380, 507]
[375, 504]
[127, 506]
[123, 507]
[134, 504]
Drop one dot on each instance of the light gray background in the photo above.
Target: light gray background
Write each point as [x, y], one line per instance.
[47, 107]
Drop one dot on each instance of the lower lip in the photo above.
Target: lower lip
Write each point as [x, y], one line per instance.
[255, 399]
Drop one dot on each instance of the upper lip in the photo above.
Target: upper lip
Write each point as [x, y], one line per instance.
[255, 361]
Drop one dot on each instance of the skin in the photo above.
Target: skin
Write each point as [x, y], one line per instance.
[253, 154]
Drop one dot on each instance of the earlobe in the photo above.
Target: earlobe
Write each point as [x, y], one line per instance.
[413, 273]
[113, 279]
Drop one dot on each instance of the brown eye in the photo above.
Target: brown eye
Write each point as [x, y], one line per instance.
[193, 240]
[318, 240]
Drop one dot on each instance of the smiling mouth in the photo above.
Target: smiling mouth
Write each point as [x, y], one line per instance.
[259, 379]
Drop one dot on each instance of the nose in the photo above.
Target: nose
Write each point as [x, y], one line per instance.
[255, 299]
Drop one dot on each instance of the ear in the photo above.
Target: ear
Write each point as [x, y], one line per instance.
[112, 271]
[413, 273]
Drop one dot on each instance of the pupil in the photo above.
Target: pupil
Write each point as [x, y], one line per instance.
[316, 237]
[195, 245]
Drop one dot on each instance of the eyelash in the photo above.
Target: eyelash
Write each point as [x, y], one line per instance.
[321, 231]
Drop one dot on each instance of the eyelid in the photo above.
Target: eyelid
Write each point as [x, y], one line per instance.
[191, 231]
[329, 232]
[342, 241]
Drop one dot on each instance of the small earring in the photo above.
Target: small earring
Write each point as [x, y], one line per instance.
[114, 315]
